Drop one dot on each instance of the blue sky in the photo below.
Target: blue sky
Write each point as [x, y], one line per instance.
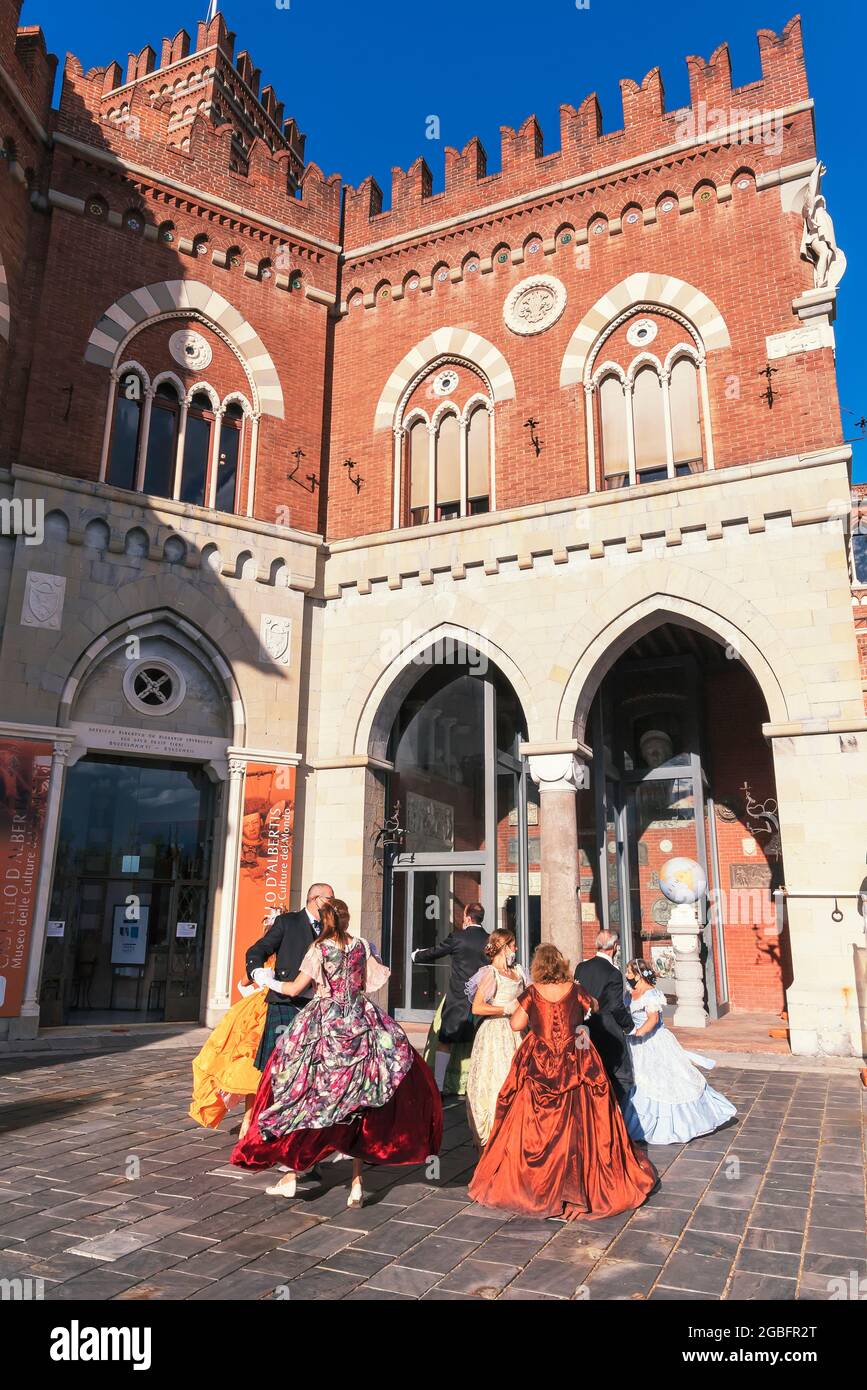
[362, 79]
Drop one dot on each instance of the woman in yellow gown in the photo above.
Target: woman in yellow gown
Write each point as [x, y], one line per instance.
[223, 1072]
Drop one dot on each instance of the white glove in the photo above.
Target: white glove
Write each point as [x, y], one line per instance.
[415, 953]
[263, 978]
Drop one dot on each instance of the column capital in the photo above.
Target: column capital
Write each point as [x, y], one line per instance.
[559, 772]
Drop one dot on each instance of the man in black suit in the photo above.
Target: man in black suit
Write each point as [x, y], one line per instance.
[288, 938]
[466, 946]
[612, 1023]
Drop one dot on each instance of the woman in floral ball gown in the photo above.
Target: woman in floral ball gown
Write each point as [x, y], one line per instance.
[343, 1078]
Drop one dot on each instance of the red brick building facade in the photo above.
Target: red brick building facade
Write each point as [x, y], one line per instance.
[233, 384]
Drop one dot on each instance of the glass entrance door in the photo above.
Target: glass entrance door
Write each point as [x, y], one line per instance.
[647, 819]
[427, 905]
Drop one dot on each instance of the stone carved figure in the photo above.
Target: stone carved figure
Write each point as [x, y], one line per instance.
[818, 242]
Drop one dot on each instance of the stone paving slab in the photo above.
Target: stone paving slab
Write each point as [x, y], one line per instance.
[109, 1191]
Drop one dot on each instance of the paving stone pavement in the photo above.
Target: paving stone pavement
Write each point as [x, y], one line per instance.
[109, 1191]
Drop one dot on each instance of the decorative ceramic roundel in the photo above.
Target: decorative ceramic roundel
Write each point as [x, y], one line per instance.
[190, 349]
[682, 880]
[641, 332]
[535, 304]
[154, 687]
[445, 383]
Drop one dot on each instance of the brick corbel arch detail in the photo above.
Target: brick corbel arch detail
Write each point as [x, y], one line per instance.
[644, 288]
[4, 303]
[187, 297]
[451, 342]
[640, 603]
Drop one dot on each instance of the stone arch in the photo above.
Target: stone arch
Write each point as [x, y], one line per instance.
[644, 287]
[451, 342]
[5, 317]
[637, 604]
[190, 297]
[380, 690]
[187, 635]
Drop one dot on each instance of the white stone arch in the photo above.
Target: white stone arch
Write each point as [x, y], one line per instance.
[415, 415]
[192, 299]
[131, 365]
[609, 368]
[206, 389]
[445, 342]
[187, 635]
[477, 401]
[644, 359]
[379, 691]
[443, 409]
[174, 380]
[238, 398]
[640, 603]
[678, 352]
[643, 289]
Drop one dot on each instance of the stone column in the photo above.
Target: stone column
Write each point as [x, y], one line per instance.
[558, 777]
[220, 992]
[28, 1024]
[684, 929]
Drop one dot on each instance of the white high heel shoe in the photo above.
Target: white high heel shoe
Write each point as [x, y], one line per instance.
[285, 1187]
[356, 1194]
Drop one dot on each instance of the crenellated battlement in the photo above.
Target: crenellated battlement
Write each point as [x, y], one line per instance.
[718, 114]
[147, 127]
[204, 78]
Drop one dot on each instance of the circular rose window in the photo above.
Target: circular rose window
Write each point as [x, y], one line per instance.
[446, 382]
[642, 332]
[154, 687]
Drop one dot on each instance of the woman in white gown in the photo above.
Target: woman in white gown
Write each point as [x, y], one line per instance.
[670, 1102]
[493, 992]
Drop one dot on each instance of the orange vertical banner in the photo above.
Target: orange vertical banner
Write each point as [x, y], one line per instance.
[25, 771]
[265, 874]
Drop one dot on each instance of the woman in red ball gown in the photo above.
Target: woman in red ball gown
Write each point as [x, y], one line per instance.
[559, 1146]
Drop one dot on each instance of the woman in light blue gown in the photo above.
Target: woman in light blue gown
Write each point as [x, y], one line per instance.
[670, 1102]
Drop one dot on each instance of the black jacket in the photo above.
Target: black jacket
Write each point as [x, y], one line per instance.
[609, 1027]
[289, 938]
[466, 946]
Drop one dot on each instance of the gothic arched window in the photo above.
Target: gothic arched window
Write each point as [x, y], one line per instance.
[229, 462]
[126, 431]
[162, 441]
[197, 449]
[444, 447]
[649, 415]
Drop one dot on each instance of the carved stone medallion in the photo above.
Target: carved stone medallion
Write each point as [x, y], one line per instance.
[535, 304]
[190, 349]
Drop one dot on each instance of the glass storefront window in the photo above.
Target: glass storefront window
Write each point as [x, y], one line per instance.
[130, 893]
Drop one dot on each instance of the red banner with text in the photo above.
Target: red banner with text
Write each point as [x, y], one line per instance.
[265, 874]
[25, 771]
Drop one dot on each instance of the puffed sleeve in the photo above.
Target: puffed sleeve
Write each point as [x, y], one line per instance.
[377, 973]
[654, 1001]
[312, 965]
